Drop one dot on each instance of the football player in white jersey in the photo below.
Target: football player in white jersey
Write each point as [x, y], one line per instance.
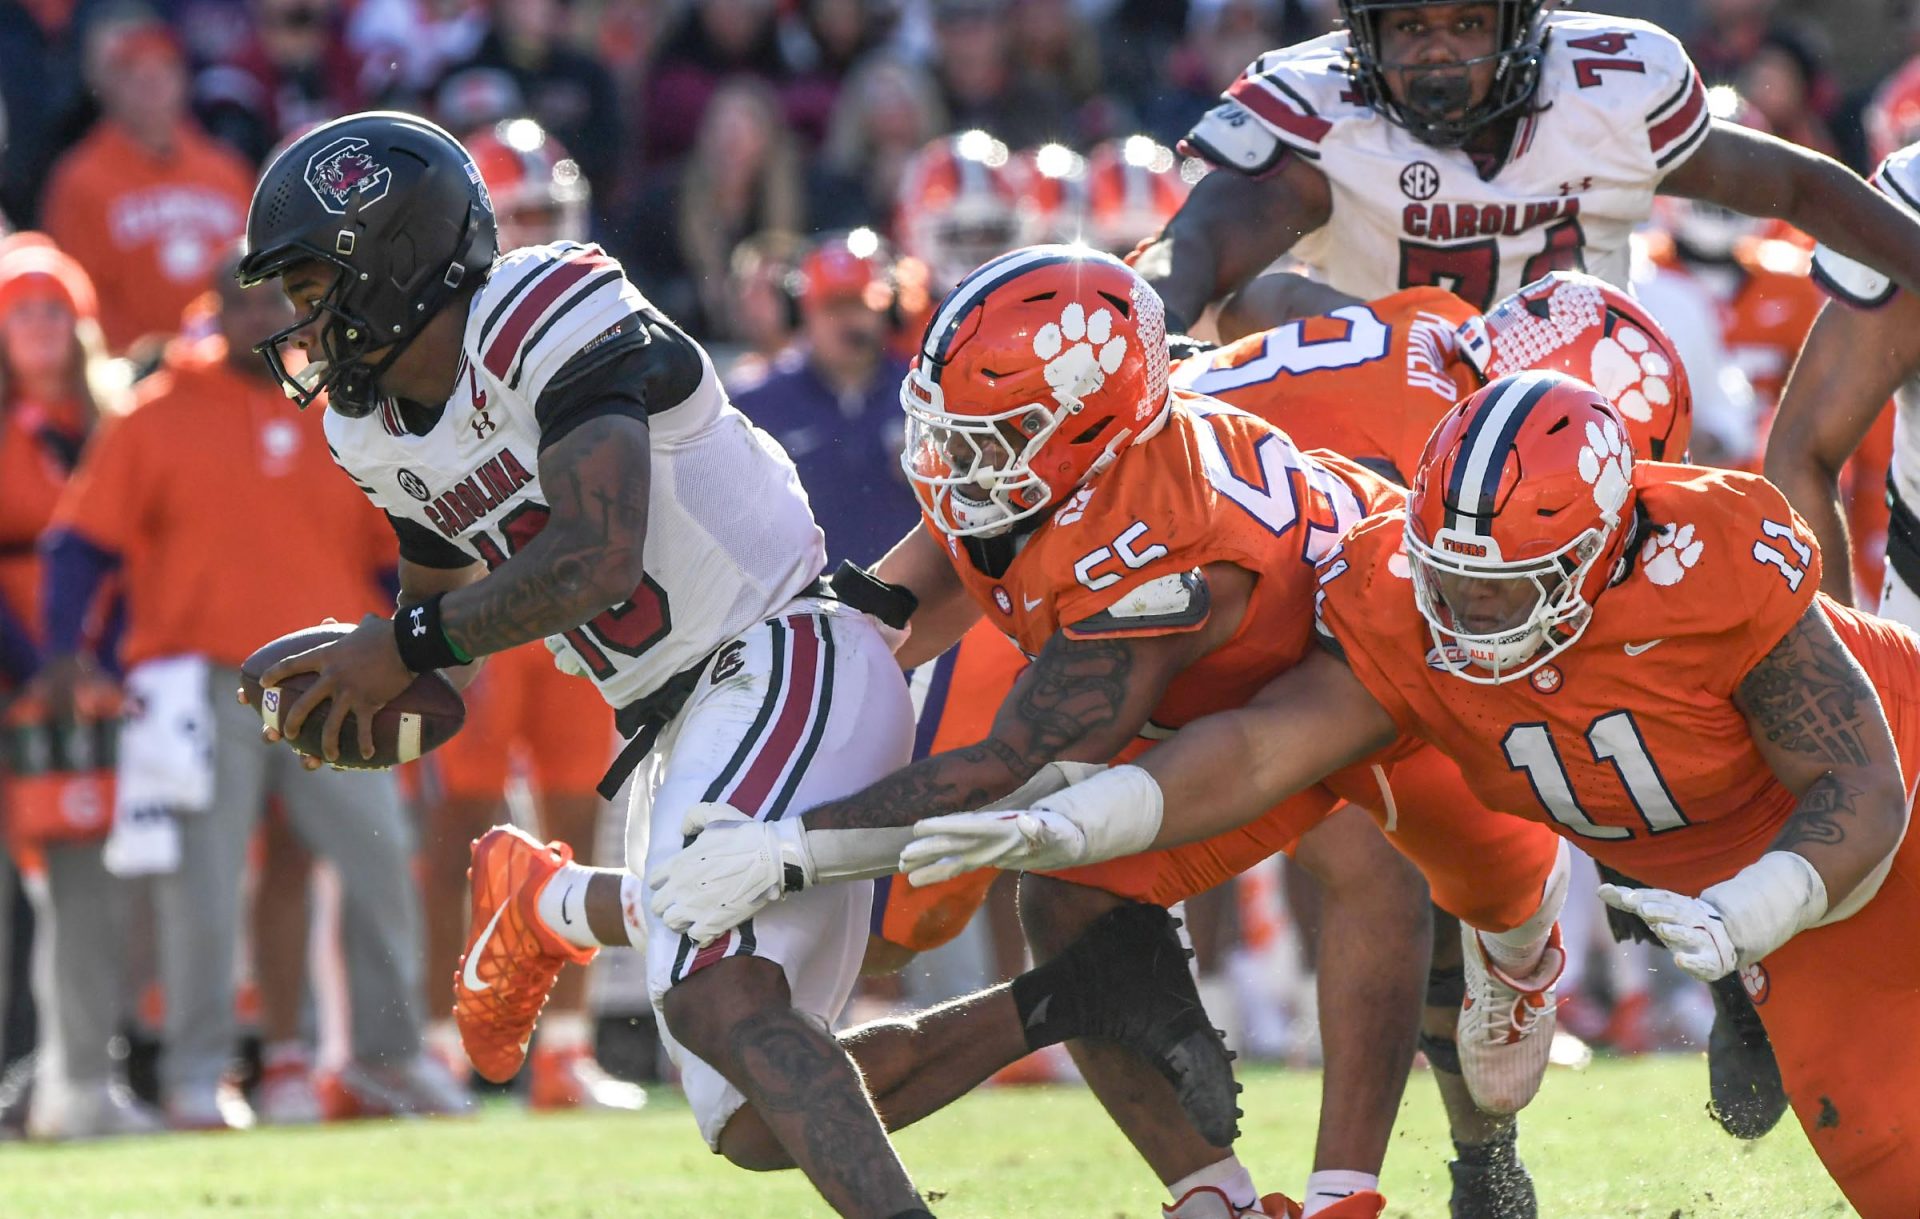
[1477, 147]
[558, 459]
[1864, 347]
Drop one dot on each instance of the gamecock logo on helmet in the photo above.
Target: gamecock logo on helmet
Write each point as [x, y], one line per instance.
[344, 168]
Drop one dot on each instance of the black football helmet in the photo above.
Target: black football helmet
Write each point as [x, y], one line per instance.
[398, 206]
[1436, 89]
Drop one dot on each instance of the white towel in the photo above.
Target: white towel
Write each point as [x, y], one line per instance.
[166, 763]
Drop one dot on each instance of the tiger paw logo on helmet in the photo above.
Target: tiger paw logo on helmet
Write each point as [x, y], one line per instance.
[1632, 373]
[1670, 553]
[1606, 462]
[1079, 370]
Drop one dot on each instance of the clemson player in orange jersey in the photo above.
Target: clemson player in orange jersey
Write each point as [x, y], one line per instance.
[1152, 552]
[1637, 656]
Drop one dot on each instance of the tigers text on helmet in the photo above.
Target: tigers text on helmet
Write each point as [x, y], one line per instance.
[1519, 518]
[1035, 373]
[397, 207]
[1572, 322]
[1516, 63]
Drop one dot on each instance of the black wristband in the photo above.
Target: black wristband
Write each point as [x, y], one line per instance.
[422, 642]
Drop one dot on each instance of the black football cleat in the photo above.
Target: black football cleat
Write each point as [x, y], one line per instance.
[1126, 980]
[1490, 1182]
[1742, 1074]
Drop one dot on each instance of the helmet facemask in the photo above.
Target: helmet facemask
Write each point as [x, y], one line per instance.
[1494, 621]
[1433, 91]
[974, 473]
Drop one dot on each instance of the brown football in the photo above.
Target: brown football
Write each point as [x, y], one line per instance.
[423, 717]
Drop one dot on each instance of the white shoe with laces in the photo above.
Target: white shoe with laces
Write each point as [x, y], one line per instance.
[1506, 1025]
[1206, 1202]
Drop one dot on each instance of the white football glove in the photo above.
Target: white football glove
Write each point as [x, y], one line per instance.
[734, 867]
[1690, 928]
[1116, 812]
[1024, 840]
[564, 657]
[1736, 922]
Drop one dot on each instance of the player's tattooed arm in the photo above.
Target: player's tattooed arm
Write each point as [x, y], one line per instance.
[1817, 721]
[1080, 700]
[587, 558]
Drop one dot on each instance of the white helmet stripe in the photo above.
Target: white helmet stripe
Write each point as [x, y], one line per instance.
[976, 286]
[1475, 485]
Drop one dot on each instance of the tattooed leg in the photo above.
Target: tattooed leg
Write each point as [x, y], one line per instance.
[737, 1016]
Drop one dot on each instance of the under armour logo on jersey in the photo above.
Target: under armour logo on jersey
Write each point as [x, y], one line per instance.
[1081, 369]
[482, 424]
[342, 170]
[419, 616]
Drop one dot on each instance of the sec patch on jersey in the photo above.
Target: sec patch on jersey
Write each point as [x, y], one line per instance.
[423, 717]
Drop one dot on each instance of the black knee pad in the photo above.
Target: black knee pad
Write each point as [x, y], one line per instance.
[1443, 1053]
[1446, 986]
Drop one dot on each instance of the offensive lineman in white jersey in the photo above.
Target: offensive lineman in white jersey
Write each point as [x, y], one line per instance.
[1477, 147]
[1864, 346]
[534, 429]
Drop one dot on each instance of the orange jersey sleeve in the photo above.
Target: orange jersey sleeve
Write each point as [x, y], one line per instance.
[1367, 381]
[1628, 742]
[1124, 556]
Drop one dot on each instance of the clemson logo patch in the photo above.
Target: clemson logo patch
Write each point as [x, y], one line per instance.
[1670, 553]
[1547, 679]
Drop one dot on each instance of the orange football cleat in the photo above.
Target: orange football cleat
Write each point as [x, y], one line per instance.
[1367, 1204]
[571, 1079]
[512, 958]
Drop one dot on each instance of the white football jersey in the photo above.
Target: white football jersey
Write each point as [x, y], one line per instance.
[730, 536]
[1899, 179]
[1618, 106]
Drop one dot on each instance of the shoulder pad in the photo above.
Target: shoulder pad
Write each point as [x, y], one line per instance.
[540, 306]
[1633, 67]
[1898, 177]
[1286, 100]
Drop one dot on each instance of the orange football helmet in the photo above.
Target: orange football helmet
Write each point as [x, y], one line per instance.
[1518, 519]
[1583, 326]
[1134, 186]
[539, 194]
[1034, 374]
[1893, 116]
[958, 206]
[1053, 193]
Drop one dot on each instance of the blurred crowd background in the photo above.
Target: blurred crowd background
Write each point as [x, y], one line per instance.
[796, 182]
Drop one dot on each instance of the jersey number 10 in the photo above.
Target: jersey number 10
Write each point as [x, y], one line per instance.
[629, 628]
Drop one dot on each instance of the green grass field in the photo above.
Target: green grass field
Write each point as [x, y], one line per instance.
[1621, 1139]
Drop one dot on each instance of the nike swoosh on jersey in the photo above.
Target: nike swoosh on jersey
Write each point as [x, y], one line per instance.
[1634, 649]
[470, 976]
[1033, 604]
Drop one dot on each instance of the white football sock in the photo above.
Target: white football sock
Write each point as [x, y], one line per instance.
[633, 908]
[1518, 950]
[1326, 1188]
[1229, 1176]
[563, 905]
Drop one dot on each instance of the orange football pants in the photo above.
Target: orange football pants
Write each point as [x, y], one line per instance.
[520, 704]
[1842, 1003]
